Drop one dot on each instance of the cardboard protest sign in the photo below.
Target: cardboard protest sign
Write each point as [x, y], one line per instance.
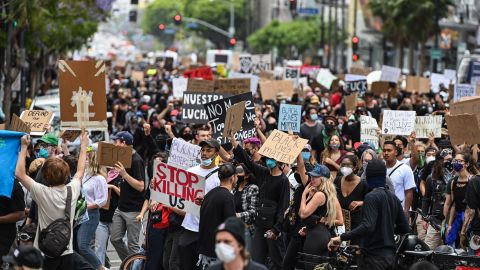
[83, 102]
[289, 117]
[184, 154]
[417, 84]
[359, 87]
[9, 147]
[137, 76]
[70, 135]
[16, 124]
[325, 77]
[261, 62]
[379, 88]
[471, 106]
[282, 147]
[179, 86]
[464, 90]
[109, 154]
[175, 187]
[425, 125]
[359, 70]
[193, 110]
[463, 128]
[246, 63]
[437, 79]
[398, 122]
[37, 120]
[270, 89]
[2, 126]
[235, 86]
[266, 75]
[200, 73]
[253, 79]
[217, 112]
[195, 85]
[234, 118]
[351, 102]
[368, 130]
[390, 74]
[291, 73]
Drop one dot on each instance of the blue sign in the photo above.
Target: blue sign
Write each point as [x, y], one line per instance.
[308, 11]
[9, 148]
[289, 117]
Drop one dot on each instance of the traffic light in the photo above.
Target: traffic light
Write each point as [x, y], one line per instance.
[161, 27]
[293, 4]
[355, 56]
[177, 19]
[132, 16]
[232, 41]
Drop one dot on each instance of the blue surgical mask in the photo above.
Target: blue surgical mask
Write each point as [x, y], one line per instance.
[314, 117]
[42, 153]
[306, 155]
[271, 163]
[207, 162]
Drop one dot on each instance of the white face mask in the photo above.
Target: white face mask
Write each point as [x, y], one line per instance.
[225, 253]
[429, 159]
[346, 171]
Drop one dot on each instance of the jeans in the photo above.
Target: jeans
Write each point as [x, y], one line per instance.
[124, 222]
[85, 234]
[263, 248]
[155, 248]
[101, 240]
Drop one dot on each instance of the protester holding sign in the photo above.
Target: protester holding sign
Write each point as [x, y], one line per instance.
[273, 201]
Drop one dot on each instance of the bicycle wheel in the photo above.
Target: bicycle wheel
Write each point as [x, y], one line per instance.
[135, 261]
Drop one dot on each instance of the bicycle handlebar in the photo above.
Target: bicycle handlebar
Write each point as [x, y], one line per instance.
[427, 218]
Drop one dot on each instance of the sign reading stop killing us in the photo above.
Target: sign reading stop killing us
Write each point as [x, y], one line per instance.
[175, 187]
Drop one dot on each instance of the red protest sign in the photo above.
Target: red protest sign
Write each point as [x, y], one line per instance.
[202, 72]
[176, 187]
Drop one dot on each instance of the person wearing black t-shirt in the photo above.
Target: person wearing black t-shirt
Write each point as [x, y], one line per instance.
[11, 210]
[216, 207]
[130, 202]
[274, 196]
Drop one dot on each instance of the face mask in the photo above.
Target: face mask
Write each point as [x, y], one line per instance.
[225, 253]
[207, 162]
[346, 171]
[314, 117]
[240, 178]
[174, 119]
[249, 152]
[421, 161]
[448, 165]
[306, 155]
[429, 159]
[406, 156]
[340, 126]
[42, 153]
[335, 146]
[187, 137]
[457, 167]
[271, 163]
[329, 127]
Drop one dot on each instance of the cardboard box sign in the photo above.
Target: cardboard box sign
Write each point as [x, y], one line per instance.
[70, 135]
[109, 155]
[351, 102]
[463, 129]
[359, 70]
[37, 120]
[470, 106]
[379, 88]
[234, 119]
[282, 147]
[235, 86]
[270, 89]
[417, 84]
[16, 124]
[194, 85]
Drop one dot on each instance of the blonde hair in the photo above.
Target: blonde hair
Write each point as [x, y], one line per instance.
[330, 191]
[93, 167]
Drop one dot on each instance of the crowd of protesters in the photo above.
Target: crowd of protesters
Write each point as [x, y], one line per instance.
[256, 212]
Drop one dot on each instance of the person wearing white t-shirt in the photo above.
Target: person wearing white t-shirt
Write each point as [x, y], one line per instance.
[189, 236]
[51, 199]
[400, 174]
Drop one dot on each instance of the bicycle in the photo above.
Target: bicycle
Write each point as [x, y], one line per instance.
[345, 258]
[135, 261]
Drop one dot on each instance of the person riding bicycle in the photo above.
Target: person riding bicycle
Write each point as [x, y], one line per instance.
[382, 217]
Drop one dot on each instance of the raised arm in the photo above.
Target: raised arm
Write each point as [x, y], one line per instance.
[301, 170]
[20, 173]
[82, 158]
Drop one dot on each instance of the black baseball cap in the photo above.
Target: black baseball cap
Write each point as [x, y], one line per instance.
[125, 136]
[25, 256]
[210, 142]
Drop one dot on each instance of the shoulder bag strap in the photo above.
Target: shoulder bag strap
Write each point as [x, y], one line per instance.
[390, 174]
[68, 205]
[211, 173]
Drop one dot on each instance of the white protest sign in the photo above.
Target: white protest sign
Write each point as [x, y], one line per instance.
[291, 73]
[450, 74]
[175, 187]
[253, 79]
[184, 154]
[390, 74]
[325, 77]
[425, 125]
[354, 77]
[303, 81]
[464, 90]
[261, 62]
[436, 79]
[179, 86]
[368, 130]
[398, 122]
[245, 63]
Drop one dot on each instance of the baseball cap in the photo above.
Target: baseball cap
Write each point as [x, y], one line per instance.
[210, 142]
[49, 138]
[235, 226]
[25, 256]
[314, 99]
[308, 147]
[320, 170]
[124, 136]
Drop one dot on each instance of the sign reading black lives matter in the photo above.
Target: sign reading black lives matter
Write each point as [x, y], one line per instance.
[217, 111]
[193, 110]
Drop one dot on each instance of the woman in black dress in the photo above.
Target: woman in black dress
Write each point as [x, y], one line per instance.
[351, 191]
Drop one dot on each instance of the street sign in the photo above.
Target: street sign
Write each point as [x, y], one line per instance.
[436, 54]
[308, 11]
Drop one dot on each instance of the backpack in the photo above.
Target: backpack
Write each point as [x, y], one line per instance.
[55, 238]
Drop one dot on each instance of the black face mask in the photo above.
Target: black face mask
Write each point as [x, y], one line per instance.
[249, 152]
[329, 127]
[187, 137]
[240, 179]
[448, 165]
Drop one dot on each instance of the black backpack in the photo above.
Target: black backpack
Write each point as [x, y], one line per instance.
[55, 238]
